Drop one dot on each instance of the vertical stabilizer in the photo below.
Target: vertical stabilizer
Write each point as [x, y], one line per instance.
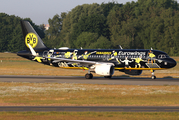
[31, 37]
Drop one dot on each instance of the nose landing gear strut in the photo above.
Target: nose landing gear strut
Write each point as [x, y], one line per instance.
[153, 75]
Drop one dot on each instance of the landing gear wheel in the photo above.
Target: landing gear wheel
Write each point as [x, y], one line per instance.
[107, 76]
[89, 76]
[153, 77]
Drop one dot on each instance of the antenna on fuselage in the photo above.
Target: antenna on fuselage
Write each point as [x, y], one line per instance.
[120, 47]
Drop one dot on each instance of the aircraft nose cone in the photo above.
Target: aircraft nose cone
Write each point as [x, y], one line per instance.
[173, 63]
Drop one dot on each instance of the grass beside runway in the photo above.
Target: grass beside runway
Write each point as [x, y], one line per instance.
[56, 94]
[88, 116]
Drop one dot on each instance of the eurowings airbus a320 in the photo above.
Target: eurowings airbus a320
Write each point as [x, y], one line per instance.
[100, 61]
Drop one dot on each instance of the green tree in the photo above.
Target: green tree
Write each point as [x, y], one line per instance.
[11, 37]
[85, 39]
[102, 43]
[73, 17]
[52, 38]
[93, 23]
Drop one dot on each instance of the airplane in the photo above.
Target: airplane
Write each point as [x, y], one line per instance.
[100, 61]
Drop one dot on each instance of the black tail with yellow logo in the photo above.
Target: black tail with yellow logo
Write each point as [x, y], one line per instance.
[31, 37]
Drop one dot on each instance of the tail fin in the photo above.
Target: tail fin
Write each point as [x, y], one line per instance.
[31, 37]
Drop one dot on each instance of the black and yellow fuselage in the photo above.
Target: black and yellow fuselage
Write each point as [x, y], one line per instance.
[101, 61]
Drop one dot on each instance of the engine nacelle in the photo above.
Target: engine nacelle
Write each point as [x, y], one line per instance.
[133, 72]
[104, 69]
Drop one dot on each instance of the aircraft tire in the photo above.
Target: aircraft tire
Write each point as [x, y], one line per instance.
[107, 76]
[153, 77]
[89, 76]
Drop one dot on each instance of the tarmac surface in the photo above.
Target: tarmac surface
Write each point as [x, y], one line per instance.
[91, 108]
[95, 80]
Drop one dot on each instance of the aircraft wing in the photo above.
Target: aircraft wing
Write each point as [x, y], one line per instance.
[82, 62]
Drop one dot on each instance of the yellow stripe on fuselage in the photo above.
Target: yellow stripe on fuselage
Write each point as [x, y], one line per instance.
[117, 68]
[84, 68]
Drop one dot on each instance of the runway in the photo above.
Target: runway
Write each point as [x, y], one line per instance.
[95, 80]
[91, 108]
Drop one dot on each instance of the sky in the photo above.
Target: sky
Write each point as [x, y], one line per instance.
[39, 11]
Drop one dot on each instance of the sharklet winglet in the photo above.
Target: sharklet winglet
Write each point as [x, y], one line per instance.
[32, 50]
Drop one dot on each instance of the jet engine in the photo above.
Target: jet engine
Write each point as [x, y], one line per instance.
[104, 69]
[133, 72]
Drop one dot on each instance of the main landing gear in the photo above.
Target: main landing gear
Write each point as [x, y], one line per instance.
[89, 76]
[107, 76]
[153, 75]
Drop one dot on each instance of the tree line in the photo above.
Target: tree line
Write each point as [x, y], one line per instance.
[134, 25]
[11, 37]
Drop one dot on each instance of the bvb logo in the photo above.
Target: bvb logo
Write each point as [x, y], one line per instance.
[31, 39]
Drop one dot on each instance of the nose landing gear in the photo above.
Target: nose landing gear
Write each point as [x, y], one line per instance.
[153, 75]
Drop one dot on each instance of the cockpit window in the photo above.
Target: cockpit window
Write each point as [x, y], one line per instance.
[162, 56]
